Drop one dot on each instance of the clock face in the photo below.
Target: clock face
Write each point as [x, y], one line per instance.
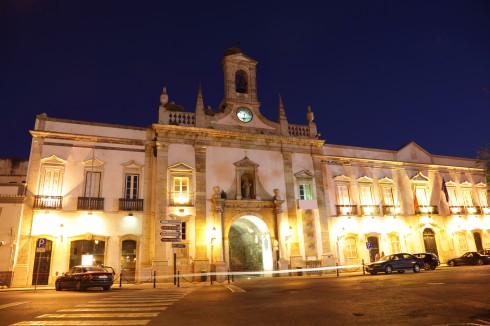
[244, 114]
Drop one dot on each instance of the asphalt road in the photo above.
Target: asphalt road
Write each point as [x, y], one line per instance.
[446, 296]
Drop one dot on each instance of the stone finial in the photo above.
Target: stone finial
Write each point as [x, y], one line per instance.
[276, 194]
[309, 115]
[164, 96]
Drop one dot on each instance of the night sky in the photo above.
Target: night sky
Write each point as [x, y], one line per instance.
[377, 74]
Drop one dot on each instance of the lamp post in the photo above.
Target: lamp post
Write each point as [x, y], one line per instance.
[288, 246]
[213, 238]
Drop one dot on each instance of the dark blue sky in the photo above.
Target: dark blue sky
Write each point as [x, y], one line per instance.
[377, 74]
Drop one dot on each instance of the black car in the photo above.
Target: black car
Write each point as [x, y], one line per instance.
[396, 262]
[83, 277]
[470, 258]
[484, 252]
[430, 260]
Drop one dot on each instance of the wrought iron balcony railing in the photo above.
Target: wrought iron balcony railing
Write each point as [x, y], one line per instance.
[427, 209]
[133, 204]
[181, 199]
[391, 210]
[346, 209]
[90, 203]
[370, 210]
[48, 202]
[457, 209]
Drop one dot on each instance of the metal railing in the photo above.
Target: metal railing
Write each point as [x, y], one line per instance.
[133, 204]
[90, 203]
[45, 202]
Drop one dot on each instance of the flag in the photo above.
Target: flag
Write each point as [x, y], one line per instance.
[415, 201]
[444, 190]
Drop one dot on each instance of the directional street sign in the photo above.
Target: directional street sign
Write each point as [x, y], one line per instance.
[171, 239]
[175, 222]
[178, 245]
[171, 227]
[170, 233]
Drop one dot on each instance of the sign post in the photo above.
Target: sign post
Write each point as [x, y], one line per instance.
[172, 232]
[40, 248]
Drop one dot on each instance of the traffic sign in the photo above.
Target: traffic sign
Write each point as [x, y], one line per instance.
[368, 245]
[41, 245]
[174, 222]
[171, 227]
[170, 233]
[171, 239]
[178, 245]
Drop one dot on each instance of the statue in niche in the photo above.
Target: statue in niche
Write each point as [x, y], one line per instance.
[246, 188]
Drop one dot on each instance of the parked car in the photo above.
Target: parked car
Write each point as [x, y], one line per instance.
[430, 260]
[399, 262]
[484, 252]
[83, 277]
[470, 258]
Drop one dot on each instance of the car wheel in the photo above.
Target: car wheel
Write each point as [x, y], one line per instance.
[106, 288]
[388, 269]
[416, 268]
[57, 286]
[451, 263]
[373, 273]
[433, 267]
[78, 286]
[479, 262]
[427, 266]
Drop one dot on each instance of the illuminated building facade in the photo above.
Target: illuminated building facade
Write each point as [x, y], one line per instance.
[250, 193]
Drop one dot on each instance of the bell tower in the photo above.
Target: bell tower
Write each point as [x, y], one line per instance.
[240, 81]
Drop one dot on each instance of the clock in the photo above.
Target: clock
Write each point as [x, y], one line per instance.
[244, 114]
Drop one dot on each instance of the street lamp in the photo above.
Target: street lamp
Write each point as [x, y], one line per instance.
[288, 238]
[213, 238]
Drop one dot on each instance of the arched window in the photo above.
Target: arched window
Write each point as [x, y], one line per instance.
[241, 83]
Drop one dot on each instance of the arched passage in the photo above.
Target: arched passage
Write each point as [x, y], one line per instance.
[250, 245]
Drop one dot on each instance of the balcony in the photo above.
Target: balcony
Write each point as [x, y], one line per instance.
[427, 209]
[126, 204]
[456, 209]
[181, 199]
[90, 203]
[48, 202]
[346, 209]
[370, 210]
[475, 210]
[391, 210]
[484, 210]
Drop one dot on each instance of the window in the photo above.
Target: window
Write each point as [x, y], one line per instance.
[241, 84]
[305, 191]
[453, 201]
[350, 247]
[388, 196]
[92, 184]
[131, 186]
[422, 198]
[366, 194]
[181, 190]
[51, 182]
[482, 196]
[395, 243]
[468, 201]
[180, 185]
[183, 230]
[343, 194]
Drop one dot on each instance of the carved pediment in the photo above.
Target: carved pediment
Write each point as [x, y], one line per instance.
[420, 178]
[304, 174]
[132, 165]
[341, 178]
[53, 160]
[481, 185]
[386, 180]
[365, 179]
[450, 183]
[466, 184]
[181, 167]
[246, 163]
[94, 162]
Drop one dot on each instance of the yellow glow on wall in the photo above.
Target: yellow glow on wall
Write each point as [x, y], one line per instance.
[87, 260]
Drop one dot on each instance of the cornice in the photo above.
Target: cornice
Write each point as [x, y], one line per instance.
[87, 138]
[231, 134]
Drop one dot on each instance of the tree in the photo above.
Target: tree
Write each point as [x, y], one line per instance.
[483, 160]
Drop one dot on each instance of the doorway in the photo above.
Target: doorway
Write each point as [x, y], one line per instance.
[373, 248]
[430, 241]
[42, 265]
[478, 242]
[250, 246]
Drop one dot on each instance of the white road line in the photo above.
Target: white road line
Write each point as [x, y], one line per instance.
[83, 322]
[128, 309]
[102, 315]
[138, 299]
[105, 304]
[12, 304]
[234, 288]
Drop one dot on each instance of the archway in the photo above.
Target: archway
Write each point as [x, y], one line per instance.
[250, 246]
[430, 241]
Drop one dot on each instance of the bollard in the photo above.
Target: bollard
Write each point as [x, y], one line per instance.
[363, 270]
[154, 279]
[337, 264]
[228, 277]
[178, 279]
[211, 278]
[120, 280]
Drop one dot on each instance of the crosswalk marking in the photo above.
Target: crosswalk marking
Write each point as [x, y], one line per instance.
[127, 308]
[12, 304]
[83, 322]
[102, 315]
[125, 304]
